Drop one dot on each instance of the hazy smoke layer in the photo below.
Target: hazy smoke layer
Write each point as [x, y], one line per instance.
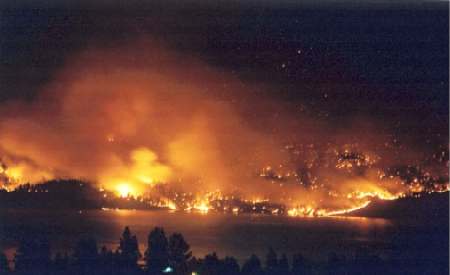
[139, 114]
[143, 115]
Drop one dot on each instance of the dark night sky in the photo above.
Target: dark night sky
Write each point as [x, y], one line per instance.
[383, 60]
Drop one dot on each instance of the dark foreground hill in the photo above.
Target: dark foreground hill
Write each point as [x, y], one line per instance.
[66, 194]
[427, 206]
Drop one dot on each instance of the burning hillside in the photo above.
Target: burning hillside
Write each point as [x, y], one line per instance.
[142, 120]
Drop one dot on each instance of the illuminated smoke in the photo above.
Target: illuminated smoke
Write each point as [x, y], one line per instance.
[133, 117]
[141, 115]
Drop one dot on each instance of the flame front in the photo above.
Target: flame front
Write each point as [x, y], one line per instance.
[142, 124]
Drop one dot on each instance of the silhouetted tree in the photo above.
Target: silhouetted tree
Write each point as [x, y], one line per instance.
[210, 265]
[298, 264]
[33, 257]
[252, 266]
[193, 265]
[283, 265]
[33, 254]
[86, 255]
[157, 255]
[108, 261]
[230, 266]
[271, 262]
[179, 253]
[334, 264]
[128, 251]
[61, 262]
[4, 266]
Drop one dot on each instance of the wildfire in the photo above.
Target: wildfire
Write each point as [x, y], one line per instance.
[307, 211]
[346, 211]
[171, 205]
[383, 195]
[14, 173]
[167, 203]
[125, 190]
[146, 129]
[203, 207]
[312, 212]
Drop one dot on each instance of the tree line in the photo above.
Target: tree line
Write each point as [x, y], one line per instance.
[172, 255]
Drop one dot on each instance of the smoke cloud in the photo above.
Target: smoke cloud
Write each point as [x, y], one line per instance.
[141, 114]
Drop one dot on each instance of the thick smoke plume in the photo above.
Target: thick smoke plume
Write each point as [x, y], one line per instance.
[140, 114]
[143, 115]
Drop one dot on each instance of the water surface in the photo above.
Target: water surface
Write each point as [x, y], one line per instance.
[227, 234]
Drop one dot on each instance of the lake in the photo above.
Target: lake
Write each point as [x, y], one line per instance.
[235, 235]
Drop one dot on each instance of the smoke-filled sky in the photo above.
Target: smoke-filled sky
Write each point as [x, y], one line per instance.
[212, 94]
[386, 62]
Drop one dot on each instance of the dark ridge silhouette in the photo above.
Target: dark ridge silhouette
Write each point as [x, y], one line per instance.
[434, 205]
[67, 194]
[173, 256]
[81, 195]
